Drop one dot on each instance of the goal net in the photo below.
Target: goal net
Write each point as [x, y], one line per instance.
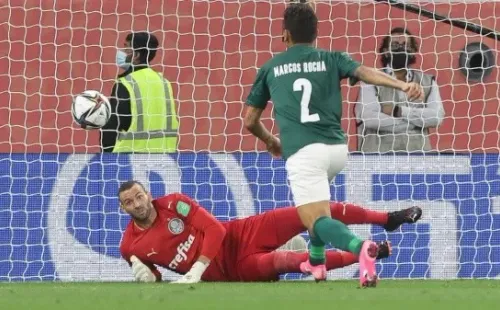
[59, 212]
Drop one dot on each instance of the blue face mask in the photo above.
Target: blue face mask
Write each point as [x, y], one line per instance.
[121, 60]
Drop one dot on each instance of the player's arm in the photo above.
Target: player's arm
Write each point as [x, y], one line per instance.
[379, 78]
[254, 125]
[200, 219]
[213, 235]
[347, 67]
[256, 104]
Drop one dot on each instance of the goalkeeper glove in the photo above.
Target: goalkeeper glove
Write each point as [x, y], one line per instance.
[141, 272]
[193, 275]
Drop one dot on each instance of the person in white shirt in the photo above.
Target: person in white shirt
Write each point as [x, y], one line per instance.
[386, 120]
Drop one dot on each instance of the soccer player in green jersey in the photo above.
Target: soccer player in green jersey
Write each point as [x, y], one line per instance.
[304, 84]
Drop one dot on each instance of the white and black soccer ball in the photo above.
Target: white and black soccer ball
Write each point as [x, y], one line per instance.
[91, 109]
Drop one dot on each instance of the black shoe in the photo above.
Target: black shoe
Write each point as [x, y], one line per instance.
[397, 218]
[384, 249]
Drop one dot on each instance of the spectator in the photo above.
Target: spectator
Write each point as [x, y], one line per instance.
[144, 118]
[386, 120]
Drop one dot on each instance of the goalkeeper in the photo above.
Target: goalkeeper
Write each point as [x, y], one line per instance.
[176, 233]
[304, 84]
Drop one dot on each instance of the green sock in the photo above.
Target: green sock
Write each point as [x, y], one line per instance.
[337, 234]
[317, 251]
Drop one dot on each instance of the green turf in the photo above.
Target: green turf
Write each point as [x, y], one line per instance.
[338, 295]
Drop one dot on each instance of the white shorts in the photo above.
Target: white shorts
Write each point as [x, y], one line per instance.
[312, 169]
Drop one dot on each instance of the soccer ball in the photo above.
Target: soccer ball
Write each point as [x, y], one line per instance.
[91, 109]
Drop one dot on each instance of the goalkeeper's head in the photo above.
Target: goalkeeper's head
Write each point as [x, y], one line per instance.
[135, 200]
[300, 24]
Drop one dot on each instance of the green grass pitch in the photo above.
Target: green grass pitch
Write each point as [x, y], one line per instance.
[338, 295]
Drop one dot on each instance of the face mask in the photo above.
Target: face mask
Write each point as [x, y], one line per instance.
[121, 60]
[399, 58]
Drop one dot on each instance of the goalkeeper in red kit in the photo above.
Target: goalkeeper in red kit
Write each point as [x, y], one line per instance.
[178, 234]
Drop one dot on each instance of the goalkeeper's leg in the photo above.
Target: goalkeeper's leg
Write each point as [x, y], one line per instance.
[269, 266]
[349, 213]
[272, 229]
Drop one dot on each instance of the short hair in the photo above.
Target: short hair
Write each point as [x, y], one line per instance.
[145, 44]
[125, 186]
[301, 21]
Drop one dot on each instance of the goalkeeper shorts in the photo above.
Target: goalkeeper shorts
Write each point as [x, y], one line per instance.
[311, 170]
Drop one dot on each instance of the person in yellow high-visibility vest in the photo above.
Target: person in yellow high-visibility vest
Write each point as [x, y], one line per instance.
[143, 118]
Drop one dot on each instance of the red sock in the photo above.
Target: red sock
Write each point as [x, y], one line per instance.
[287, 261]
[352, 214]
[280, 262]
[339, 259]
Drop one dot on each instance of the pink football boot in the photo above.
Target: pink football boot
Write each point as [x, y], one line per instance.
[367, 268]
[318, 271]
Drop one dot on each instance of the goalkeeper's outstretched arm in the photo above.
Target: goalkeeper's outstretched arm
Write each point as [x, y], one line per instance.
[214, 233]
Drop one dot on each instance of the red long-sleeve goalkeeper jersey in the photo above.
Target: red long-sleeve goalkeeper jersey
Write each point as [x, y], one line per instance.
[181, 232]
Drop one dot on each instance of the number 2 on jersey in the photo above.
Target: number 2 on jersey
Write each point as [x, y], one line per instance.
[305, 86]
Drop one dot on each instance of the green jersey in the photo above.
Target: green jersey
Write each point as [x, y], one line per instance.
[304, 85]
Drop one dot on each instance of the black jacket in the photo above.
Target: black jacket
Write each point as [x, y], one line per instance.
[121, 115]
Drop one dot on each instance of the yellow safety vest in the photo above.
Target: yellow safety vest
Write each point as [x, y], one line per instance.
[154, 123]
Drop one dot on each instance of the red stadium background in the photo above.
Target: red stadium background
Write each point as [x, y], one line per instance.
[50, 50]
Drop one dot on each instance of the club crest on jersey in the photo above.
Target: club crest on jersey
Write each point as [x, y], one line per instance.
[175, 226]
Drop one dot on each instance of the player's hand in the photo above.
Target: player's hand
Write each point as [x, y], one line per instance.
[414, 91]
[141, 272]
[273, 145]
[188, 278]
[194, 274]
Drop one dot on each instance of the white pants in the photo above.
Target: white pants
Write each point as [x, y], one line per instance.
[312, 169]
